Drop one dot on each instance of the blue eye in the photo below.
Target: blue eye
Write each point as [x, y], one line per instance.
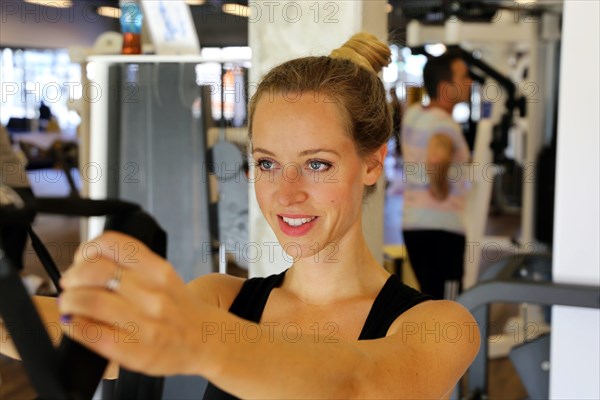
[265, 165]
[318, 166]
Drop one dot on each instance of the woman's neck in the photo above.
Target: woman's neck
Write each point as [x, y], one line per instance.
[338, 272]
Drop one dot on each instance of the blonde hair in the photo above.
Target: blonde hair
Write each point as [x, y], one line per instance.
[349, 77]
[365, 50]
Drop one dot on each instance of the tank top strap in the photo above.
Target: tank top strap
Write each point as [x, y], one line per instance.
[249, 304]
[252, 298]
[394, 298]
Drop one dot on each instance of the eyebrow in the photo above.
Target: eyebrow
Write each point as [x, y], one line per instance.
[302, 153]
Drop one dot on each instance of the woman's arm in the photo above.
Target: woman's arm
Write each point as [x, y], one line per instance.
[7, 346]
[427, 350]
[48, 311]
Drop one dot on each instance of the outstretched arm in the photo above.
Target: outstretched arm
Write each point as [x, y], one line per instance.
[48, 311]
[179, 332]
[427, 351]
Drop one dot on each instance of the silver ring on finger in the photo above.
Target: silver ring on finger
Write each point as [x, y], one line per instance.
[114, 283]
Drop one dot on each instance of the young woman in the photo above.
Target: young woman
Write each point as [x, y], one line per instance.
[335, 324]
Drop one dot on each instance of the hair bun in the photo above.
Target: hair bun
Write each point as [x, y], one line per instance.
[365, 50]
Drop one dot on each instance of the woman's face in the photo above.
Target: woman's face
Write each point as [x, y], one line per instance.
[309, 179]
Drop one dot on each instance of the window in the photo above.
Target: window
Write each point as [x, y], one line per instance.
[28, 77]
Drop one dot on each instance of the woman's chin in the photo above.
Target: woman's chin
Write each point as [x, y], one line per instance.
[311, 251]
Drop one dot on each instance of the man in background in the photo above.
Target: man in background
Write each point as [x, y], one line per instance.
[435, 151]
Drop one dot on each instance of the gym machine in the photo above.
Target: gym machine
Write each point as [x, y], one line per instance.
[492, 36]
[69, 372]
[517, 140]
[522, 279]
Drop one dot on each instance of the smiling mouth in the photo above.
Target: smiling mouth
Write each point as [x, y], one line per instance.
[296, 222]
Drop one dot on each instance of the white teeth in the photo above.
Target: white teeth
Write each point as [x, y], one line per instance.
[297, 221]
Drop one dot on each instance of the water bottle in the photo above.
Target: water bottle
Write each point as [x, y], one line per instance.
[131, 26]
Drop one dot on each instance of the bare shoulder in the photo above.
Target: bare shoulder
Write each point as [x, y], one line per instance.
[217, 289]
[425, 352]
[443, 327]
[443, 320]
[439, 309]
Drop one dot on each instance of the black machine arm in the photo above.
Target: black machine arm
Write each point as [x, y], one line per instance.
[40, 360]
[71, 371]
[514, 283]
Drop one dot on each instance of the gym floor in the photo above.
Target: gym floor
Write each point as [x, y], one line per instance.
[61, 236]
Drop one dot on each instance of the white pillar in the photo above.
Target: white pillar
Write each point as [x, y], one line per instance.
[283, 30]
[575, 347]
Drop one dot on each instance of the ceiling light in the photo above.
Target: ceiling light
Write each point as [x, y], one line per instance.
[52, 3]
[110, 12]
[195, 2]
[236, 9]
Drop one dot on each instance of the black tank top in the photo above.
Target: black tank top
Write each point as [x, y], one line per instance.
[393, 299]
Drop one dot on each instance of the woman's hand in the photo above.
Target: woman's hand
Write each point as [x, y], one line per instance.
[129, 305]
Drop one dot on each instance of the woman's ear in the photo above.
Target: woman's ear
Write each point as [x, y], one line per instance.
[374, 165]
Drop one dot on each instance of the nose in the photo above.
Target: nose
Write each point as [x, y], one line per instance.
[290, 187]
